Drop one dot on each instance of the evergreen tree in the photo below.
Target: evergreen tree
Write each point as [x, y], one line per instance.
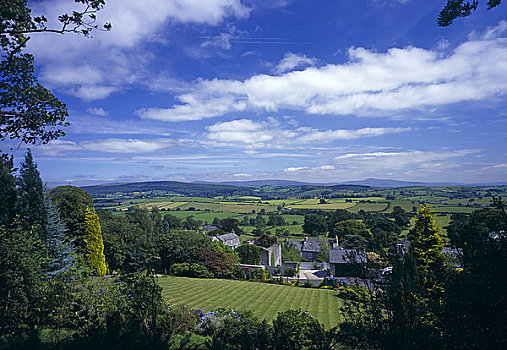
[72, 203]
[94, 245]
[22, 258]
[30, 202]
[426, 246]
[7, 193]
[61, 253]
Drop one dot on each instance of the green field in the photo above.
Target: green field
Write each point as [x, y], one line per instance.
[264, 300]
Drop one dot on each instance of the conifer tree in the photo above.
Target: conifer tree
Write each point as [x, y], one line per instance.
[7, 193]
[30, 202]
[426, 246]
[94, 245]
[61, 253]
[22, 258]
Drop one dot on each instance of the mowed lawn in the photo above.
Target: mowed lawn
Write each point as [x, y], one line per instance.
[264, 300]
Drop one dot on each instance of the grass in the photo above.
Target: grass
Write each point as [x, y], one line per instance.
[264, 300]
[369, 207]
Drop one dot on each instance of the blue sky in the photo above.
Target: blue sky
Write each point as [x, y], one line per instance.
[321, 91]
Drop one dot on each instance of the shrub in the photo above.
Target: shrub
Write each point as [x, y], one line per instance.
[354, 292]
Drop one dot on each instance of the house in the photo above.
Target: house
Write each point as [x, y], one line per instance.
[271, 256]
[346, 262]
[403, 247]
[229, 239]
[207, 228]
[309, 248]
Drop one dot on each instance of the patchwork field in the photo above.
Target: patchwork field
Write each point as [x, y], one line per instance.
[264, 300]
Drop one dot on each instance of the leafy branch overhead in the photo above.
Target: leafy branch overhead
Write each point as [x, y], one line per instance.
[455, 9]
[28, 111]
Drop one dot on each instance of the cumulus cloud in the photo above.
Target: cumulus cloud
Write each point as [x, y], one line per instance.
[116, 59]
[370, 83]
[270, 134]
[291, 61]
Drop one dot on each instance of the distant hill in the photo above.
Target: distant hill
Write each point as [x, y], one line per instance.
[396, 183]
[282, 183]
[170, 187]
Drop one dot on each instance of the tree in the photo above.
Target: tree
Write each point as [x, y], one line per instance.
[61, 253]
[400, 216]
[475, 297]
[290, 252]
[276, 220]
[22, 257]
[30, 202]
[352, 234]
[7, 193]
[190, 223]
[296, 329]
[29, 111]
[426, 246]
[230, 225]
[249, 254]
[72, 203]
[172, 222]
[314, 224]
[94, 245]
[454, 9]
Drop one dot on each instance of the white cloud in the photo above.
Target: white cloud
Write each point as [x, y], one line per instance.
[291, 61]
[370, 83]
[309, 169]
[111, 145]
[270, 134]
[399, 160]
[116, 59]
[101, 112]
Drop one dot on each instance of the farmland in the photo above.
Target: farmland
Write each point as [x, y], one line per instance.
[264, 300]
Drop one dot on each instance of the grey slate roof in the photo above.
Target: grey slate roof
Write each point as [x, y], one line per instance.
[227, 237]
[209, 228]
[346, 256]
[312, 246]
[297, 244]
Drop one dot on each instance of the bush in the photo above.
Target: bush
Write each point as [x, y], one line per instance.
[354, 292]
[190, 270]
[289, 272]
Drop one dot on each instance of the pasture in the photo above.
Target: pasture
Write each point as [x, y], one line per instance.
[264, 300]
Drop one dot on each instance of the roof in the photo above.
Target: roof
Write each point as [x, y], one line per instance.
[346, 256]
[297, 244]
[312, 245]
[228, 237]
[209, 228]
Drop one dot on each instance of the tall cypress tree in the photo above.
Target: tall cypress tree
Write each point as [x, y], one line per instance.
[426, 246]
[94, 245]
[30, 203]
[7, 193]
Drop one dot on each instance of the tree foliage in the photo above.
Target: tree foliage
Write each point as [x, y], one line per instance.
[22, 260]
[7, 193]
[28, 111]
[249, 254]
[72, 203]
[455, 9]
[314, 224]
[94, 245]
[61, 253]
[30, 200]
